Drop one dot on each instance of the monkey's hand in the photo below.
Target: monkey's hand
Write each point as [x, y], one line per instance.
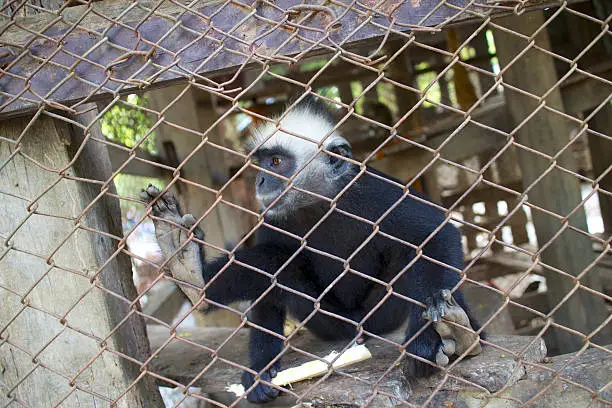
[261, 392]
[184, 256]
[456, 338]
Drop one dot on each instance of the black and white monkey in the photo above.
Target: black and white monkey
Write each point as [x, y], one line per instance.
[359, 257]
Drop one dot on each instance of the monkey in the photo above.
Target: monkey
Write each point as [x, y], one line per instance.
[343, 247]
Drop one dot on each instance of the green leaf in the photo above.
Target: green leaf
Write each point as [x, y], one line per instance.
[128, 125]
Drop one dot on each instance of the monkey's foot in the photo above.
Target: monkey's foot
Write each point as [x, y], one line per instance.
[261, 392]
[457, 338]
[176, 242]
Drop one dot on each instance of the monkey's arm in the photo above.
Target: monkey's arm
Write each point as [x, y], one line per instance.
[245, 277]
[183, 255]
[452, 331]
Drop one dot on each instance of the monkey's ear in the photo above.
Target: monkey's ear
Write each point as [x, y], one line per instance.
[341, 146]
[343, 150]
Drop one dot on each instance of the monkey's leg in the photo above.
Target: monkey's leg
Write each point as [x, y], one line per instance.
[456, 338]
[184, 256]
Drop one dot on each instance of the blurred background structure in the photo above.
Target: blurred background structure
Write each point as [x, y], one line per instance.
[500, 111]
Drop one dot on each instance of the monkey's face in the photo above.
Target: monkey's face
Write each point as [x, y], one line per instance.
[277, 167]
[300, 161]
[289, 181]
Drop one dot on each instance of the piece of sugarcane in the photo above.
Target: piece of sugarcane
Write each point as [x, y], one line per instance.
[314, 368]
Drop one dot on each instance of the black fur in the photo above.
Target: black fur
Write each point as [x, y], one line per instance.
[352, 296]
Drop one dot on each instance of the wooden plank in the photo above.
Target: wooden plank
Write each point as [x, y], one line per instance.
[601, 151]
[582, 93]
[542, 385]
[71, 272]
[145, 49]
[558, 191]
[183, 360]
[482, 193]
[136, 166]
[164, 302]
[469, 141]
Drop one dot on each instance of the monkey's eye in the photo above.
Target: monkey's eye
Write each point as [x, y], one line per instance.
[276, 161]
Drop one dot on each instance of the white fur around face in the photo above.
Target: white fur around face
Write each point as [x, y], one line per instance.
[300, 133]
[311, 127]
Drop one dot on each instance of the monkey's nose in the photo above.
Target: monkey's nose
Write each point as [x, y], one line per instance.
[261, 181]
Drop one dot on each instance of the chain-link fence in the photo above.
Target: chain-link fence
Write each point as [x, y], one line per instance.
[500, 112]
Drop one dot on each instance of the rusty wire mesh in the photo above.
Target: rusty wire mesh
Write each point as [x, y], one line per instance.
[58, 60]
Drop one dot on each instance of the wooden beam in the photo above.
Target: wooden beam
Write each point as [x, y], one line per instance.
[582, 93]
[91, 54]
[469, 141]
[65, 281]
[139, 165]
[557, 192]
[601, 151]
[182, 360]
[483, 193]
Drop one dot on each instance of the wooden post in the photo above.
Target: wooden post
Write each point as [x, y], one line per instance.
[432, 188]
[464, 89]
[345, 91]
[444, 92]
[601, 151]
[401, 70]
[557, 192]
[65, 288]
[483, 59]
[195, 200]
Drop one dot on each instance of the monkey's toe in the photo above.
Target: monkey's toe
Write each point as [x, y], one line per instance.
[437, 306]
[188, 220]
[445, 352]
[419, 369]
[147, 195]
[261, 392]
[164, 206]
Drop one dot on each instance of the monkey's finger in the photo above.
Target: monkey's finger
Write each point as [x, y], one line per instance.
[446, 294]
[171, 203]
[458, 315]
[163, 202]
[444, 330]
[188, 220]
[426, 314]
[448, 346]
[432, 311]
[441, 358]
[144, 196]
[149, 193]
[441, 306]
[152, 190]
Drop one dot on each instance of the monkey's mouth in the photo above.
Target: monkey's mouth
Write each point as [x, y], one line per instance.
[265, 200]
